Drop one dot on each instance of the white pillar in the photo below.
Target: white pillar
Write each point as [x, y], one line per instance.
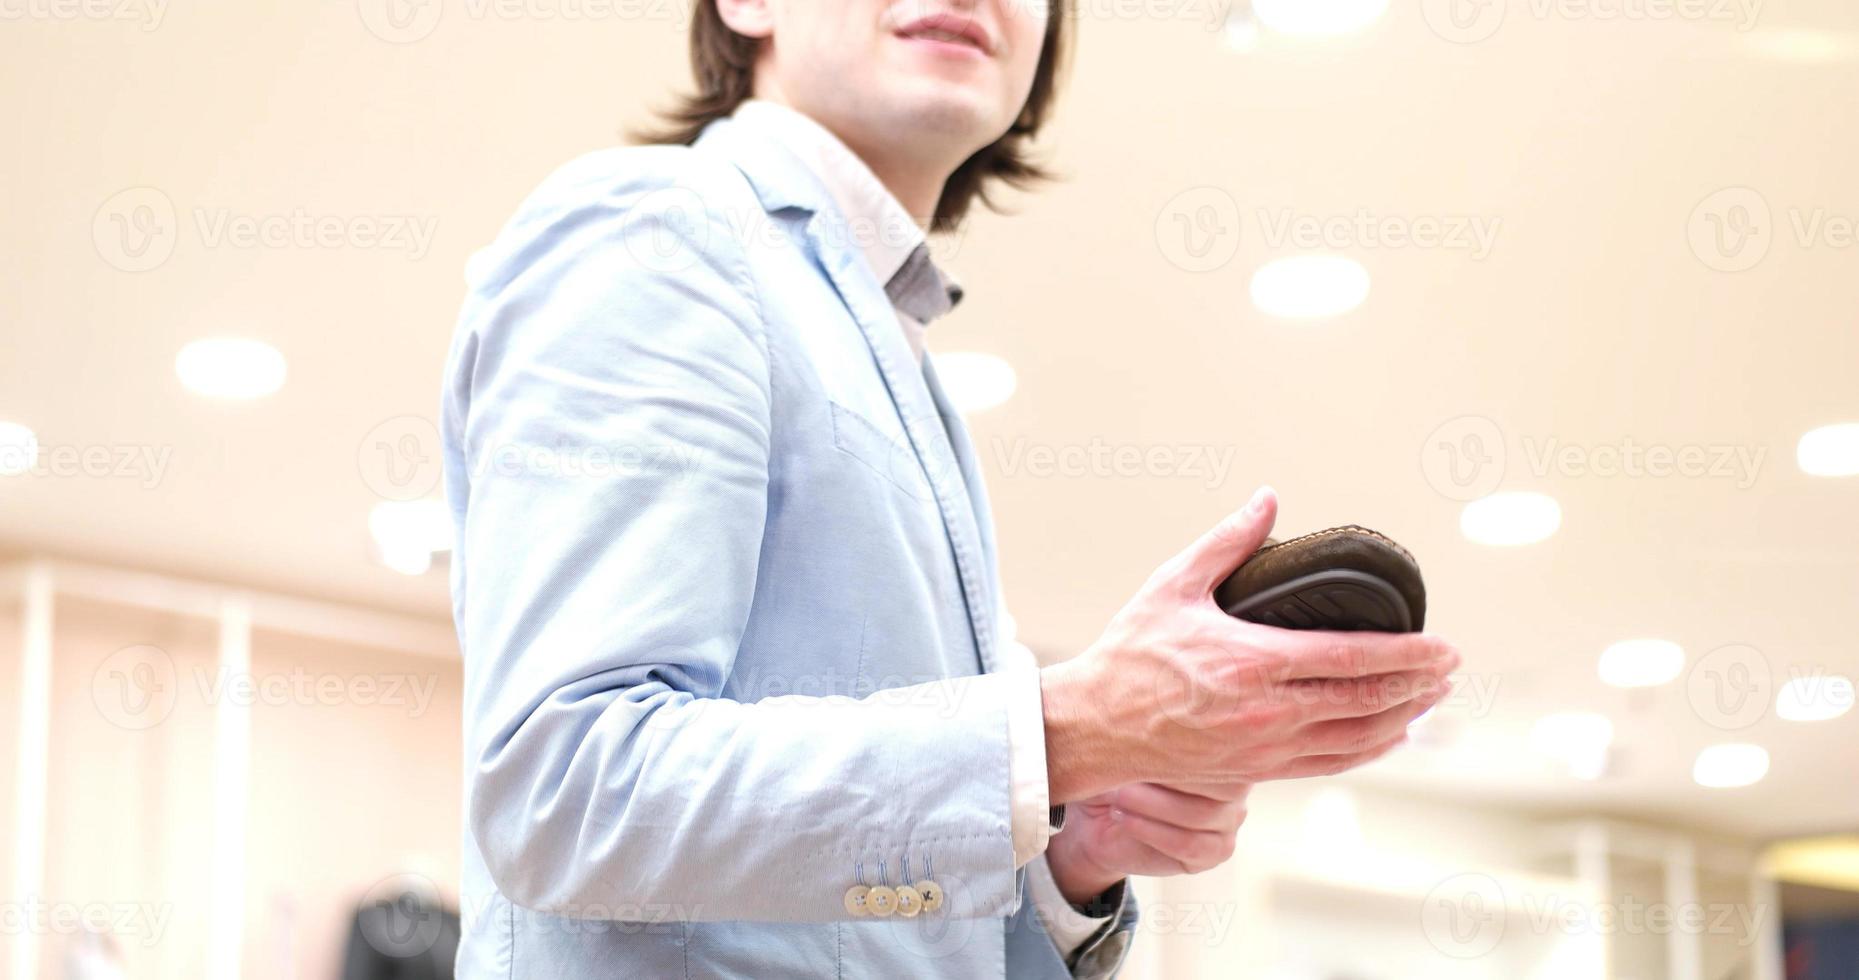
[232, 751]
[1684, 948]
[1594, 867]
[35, 743]
[1767, 896]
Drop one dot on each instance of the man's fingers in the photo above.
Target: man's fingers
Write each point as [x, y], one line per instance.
[1349, 736]
[1182, 809]
[1324, 699]
[1208, 561]
[1194, 850]
[1321, 653]
[1313, 766]
[1225, 791]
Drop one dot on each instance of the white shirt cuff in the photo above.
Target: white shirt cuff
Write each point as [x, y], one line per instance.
[1029, 793]
[1068, 927]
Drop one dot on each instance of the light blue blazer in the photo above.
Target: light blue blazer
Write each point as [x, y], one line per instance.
[709, 511]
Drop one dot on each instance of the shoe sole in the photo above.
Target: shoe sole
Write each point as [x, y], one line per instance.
[1333, 599]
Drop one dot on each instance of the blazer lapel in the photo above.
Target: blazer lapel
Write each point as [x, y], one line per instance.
[782, 182]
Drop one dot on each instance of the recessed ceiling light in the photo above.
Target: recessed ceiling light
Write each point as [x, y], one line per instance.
[1578, 739]
[1822, 698]
[1731, 766]
[230, 367]
[1512, 518]
[1242, 31]
[1308, 286]
[1318, 16]
[1803, 46]
[408, 533]
[975, 381]
[19, 449]
[1831, 450]
[1641, 663]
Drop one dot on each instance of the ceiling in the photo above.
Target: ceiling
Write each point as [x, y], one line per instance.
[1593, 320]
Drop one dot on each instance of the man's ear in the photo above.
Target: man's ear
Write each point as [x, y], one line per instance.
[750, 18]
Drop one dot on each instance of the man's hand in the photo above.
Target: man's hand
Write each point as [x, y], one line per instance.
[1145, 829]
[1178, 692]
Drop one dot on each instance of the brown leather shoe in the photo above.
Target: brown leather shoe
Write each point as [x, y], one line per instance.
[1346, 578]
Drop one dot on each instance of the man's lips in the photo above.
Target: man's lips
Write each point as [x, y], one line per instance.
[948, 29]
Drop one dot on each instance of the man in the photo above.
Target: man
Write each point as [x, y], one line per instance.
[739, 702]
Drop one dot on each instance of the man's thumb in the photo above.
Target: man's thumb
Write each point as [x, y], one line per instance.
[1208, 561]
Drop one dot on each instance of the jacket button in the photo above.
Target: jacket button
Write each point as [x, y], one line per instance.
[857, 902]
[931, 893]
[909, 901]
[882, 901]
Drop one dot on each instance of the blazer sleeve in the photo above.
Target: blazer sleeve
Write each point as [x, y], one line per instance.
[607, 429]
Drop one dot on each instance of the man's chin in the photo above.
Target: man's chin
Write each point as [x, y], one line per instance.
[933, 106]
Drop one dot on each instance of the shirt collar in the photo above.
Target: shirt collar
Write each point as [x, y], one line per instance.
[871, 218]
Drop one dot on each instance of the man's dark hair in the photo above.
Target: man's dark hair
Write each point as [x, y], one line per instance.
[723, 62]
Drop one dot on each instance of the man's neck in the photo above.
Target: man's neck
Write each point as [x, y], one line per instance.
[913, 173]
[916, 187]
